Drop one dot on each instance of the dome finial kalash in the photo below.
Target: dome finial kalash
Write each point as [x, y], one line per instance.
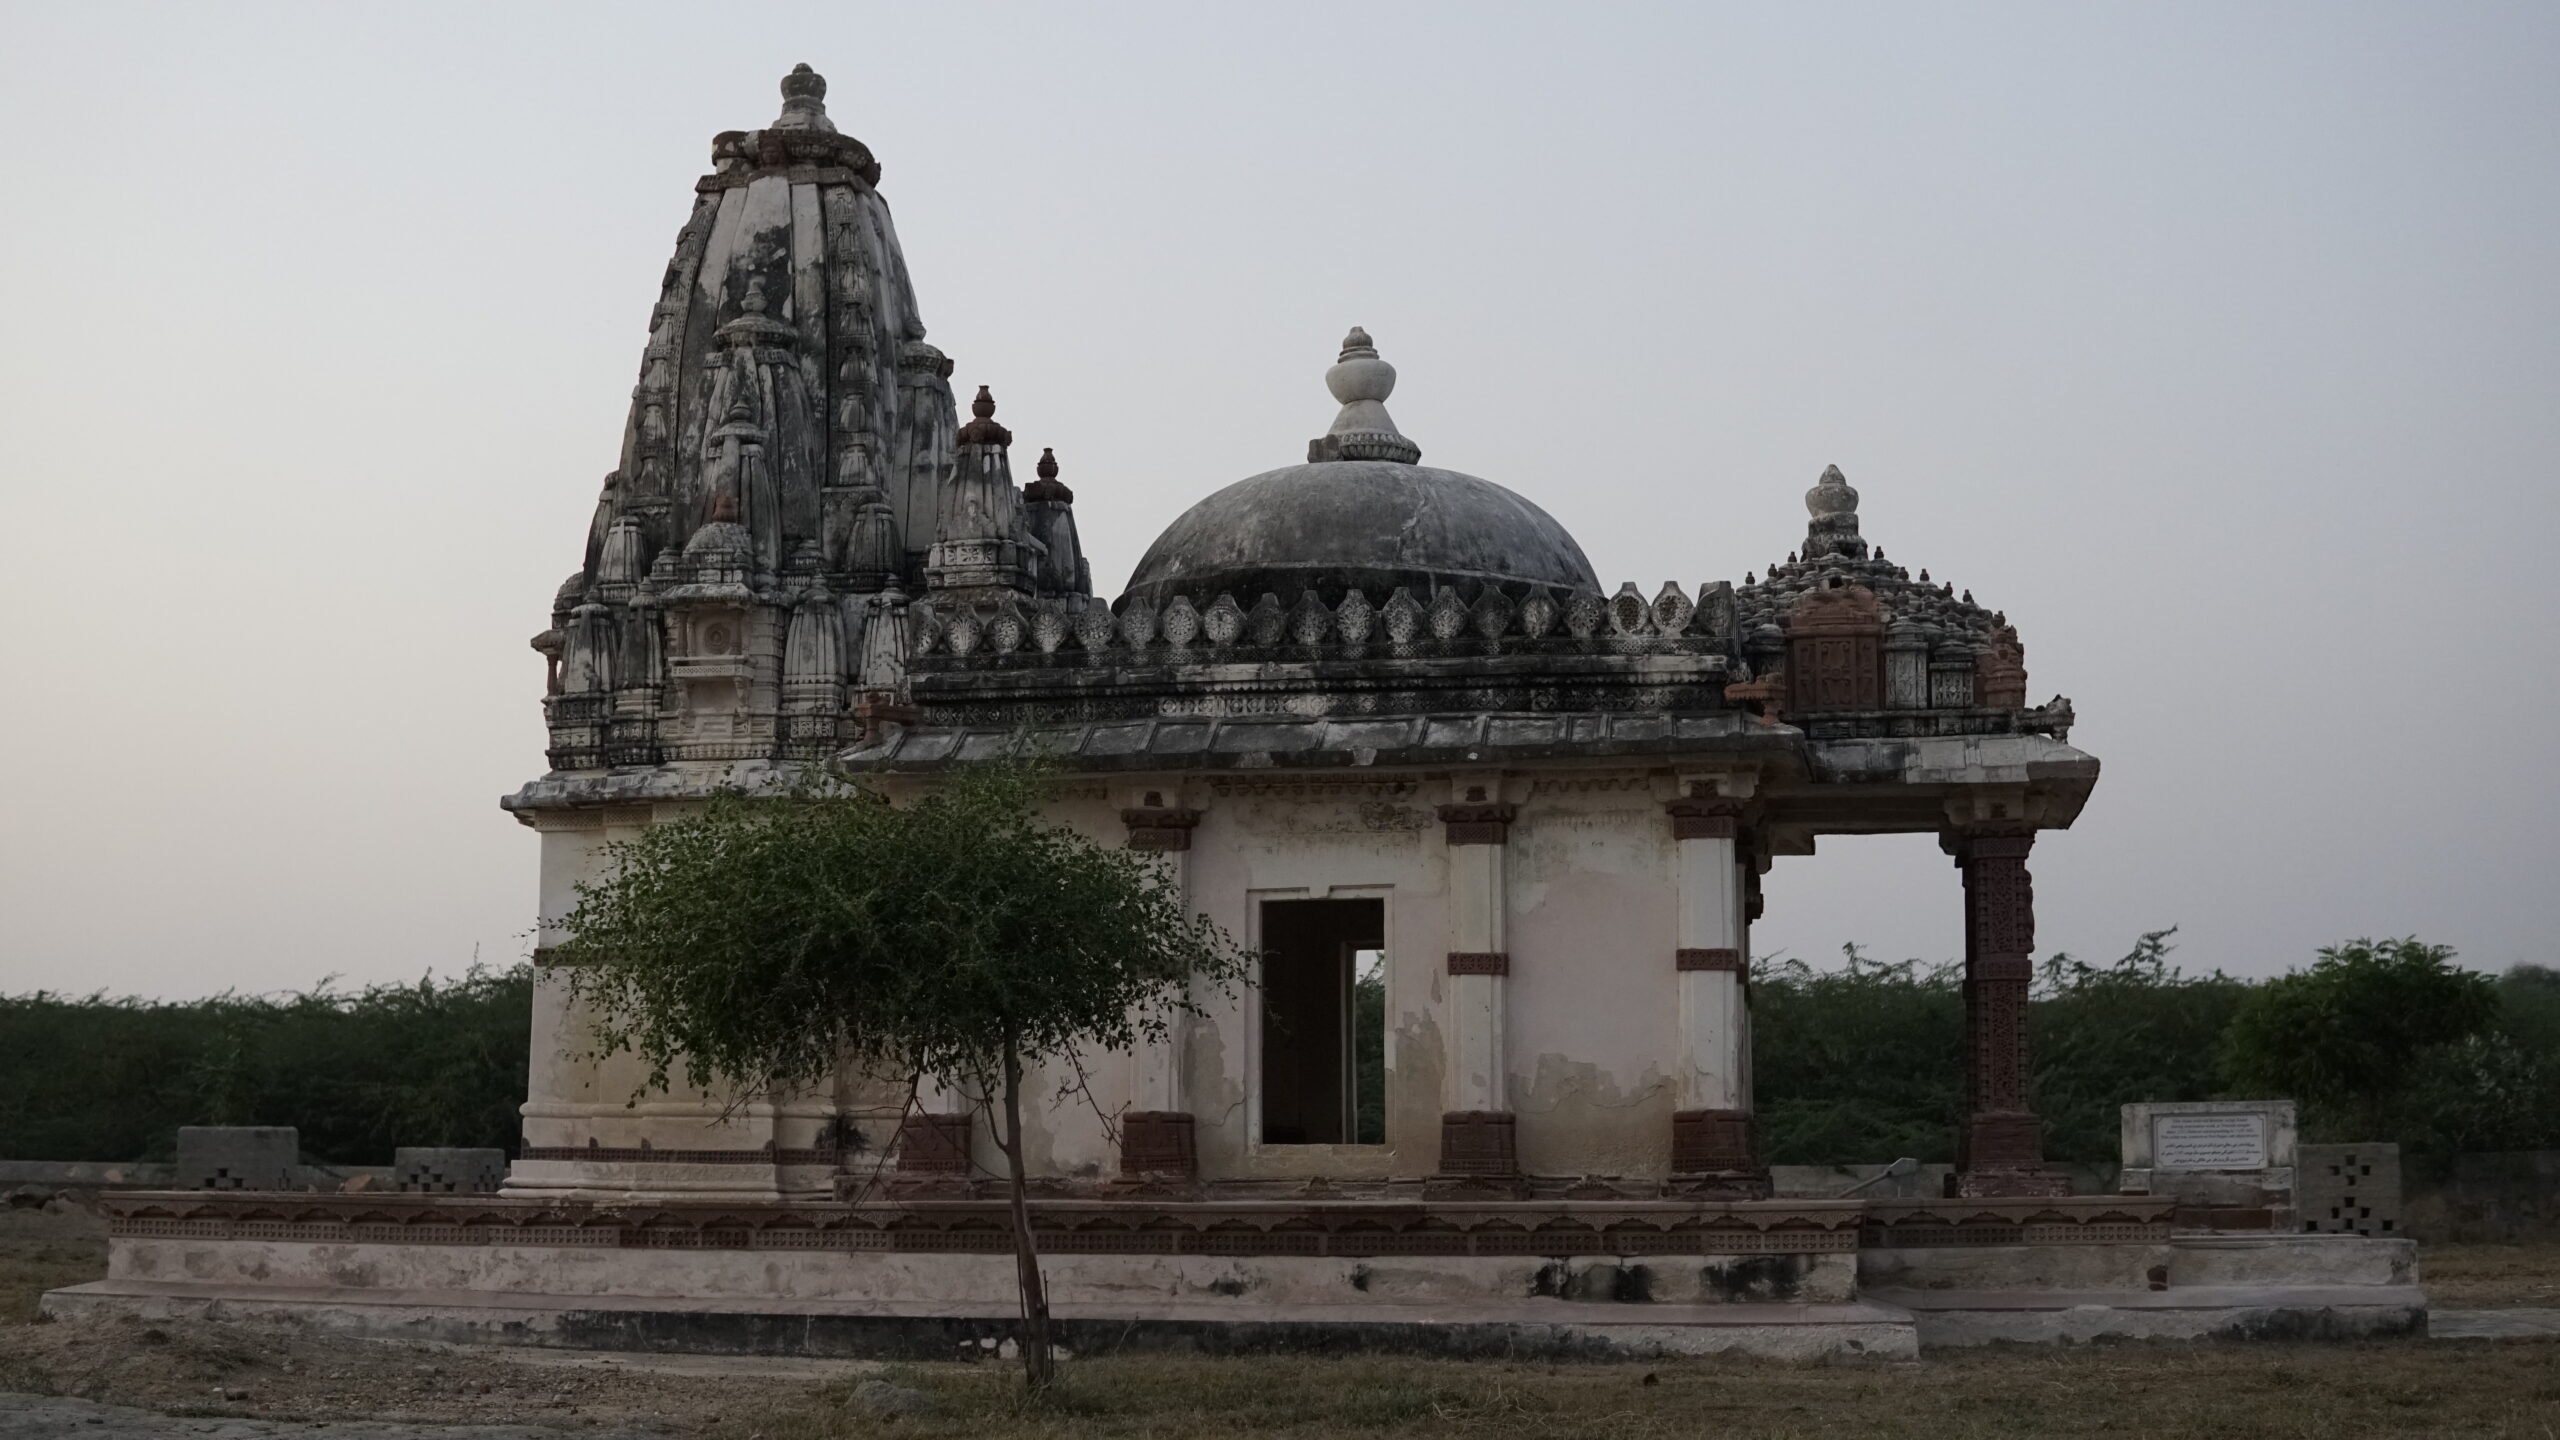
[1361, 383]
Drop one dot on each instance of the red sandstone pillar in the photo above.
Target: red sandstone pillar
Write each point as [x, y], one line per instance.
[2000, 1146]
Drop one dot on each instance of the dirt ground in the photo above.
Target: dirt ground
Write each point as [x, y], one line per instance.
[2160, 1391]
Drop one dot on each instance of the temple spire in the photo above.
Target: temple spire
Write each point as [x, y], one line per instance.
[1361, 382]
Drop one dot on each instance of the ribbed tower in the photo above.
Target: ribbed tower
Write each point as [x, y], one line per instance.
[789, 406]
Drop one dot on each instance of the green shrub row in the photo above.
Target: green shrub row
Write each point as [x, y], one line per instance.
[1862, 1063]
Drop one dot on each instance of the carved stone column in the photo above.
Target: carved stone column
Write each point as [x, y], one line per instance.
[1157, 1135]
[2000, 1147]
[1478, 1135]
[1711, 1132]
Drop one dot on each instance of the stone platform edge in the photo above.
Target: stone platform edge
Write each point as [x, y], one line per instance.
[1353, 1227]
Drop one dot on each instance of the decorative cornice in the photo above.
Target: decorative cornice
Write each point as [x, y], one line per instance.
[1159, 828]
[1478, 824]
[1704, 817]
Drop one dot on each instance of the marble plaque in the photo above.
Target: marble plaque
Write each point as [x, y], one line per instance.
[2208, 1142]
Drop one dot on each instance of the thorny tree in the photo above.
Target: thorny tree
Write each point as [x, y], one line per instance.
[758, 945]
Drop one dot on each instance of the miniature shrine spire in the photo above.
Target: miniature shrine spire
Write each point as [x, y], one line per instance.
[1834, 527]
[1362, 430]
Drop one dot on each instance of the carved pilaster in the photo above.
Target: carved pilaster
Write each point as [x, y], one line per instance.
[2000, 1148]
[1478, 1134]
[1711, 1132]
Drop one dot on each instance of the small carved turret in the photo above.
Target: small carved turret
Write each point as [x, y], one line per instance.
[1048, 511]
[981, 547]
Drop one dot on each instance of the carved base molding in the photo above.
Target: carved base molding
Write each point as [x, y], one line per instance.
[1479, 1143]
[1158, 1142]
[650, 1155]
[984, 1226]
[1711, 1142]
[933, 1145]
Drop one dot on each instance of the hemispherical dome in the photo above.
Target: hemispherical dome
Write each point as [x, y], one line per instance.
[1375, 524]
[1360, 513]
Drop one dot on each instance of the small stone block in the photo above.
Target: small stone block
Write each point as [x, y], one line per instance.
[238, 1157]
[2348, 1189]
[448, 1170]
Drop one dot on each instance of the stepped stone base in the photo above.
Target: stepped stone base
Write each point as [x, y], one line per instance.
[1619, 1276]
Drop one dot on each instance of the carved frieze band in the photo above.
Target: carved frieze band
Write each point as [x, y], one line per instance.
[1709, 958]
[1479, 962]
[1478, 824]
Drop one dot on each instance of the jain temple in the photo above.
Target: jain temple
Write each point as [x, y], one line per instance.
[1495, 824]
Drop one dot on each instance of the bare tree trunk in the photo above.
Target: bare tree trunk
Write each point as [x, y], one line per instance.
[1039, 1366]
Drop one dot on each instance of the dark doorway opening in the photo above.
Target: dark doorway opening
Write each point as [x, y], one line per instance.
[1324, 1022]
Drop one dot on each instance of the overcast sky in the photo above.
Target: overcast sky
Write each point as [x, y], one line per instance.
[2218, 344]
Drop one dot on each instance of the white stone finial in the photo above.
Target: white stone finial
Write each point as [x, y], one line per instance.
[1361, 383]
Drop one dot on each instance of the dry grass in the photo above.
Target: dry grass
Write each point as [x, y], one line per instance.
[2491, 1277]
[42, 1250]
[2158, 1391]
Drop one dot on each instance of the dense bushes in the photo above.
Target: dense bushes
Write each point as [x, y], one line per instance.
[1860, 1063]
[1866, 1063]
[358, 1072]
[2378, 1040]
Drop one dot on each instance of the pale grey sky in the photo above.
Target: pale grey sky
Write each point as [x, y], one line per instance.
[2219, 344]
